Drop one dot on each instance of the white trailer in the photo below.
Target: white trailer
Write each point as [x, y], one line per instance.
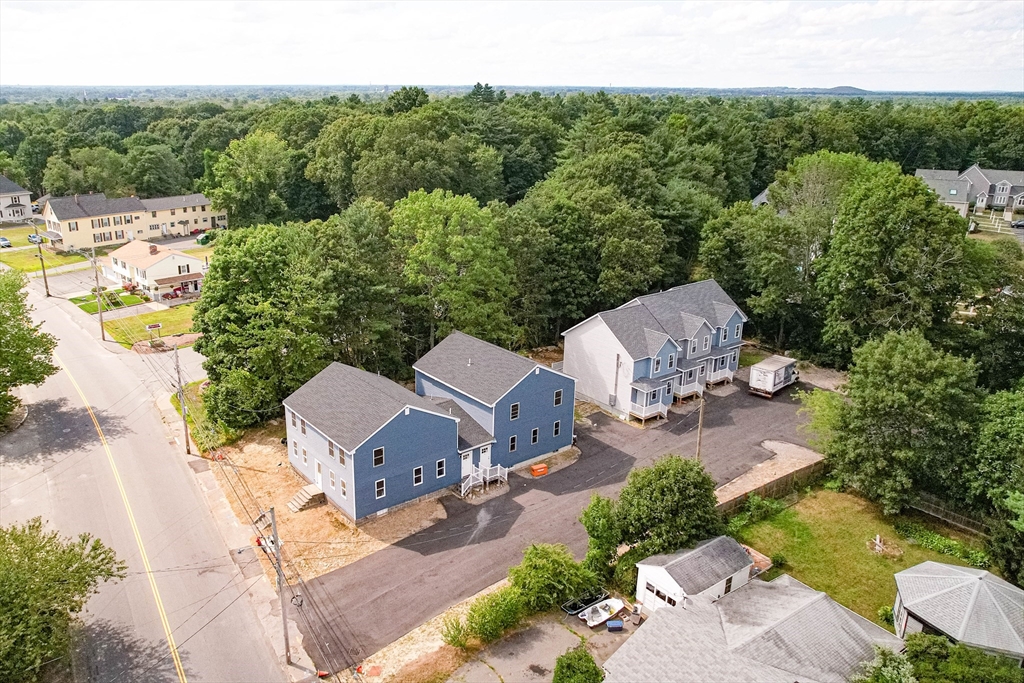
[772, 374]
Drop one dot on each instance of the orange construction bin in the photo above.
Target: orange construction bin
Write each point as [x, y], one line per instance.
[539, 470]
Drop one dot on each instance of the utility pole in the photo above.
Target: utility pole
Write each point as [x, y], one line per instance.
[181, 402]
[700, 425]
[99, 294]
[42, 263]
[281, 583]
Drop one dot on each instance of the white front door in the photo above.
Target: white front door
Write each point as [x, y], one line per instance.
[319, 476]
[467, 464]
[485, 456]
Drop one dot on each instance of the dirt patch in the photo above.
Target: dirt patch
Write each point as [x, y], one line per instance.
[169, 343]
[546, 355]
[433, 667]
[822, 378]
[316, 541]
[585, 409]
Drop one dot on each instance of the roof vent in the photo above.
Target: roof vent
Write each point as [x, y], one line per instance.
[152, 249]
[470, 363]
[407, 410]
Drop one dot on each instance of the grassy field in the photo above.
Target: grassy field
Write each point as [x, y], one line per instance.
[824, 539]
[27, 260]
[19, 235]
[127, 331]
[88, 303]
[750, 355]
[200, 252]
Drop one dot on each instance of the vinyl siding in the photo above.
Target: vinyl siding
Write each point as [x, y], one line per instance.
[409, 440]
[427, 386]
[535, 396]
[590, 352]
[315, 444]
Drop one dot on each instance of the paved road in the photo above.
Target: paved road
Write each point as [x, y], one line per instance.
[376, 600]
[55, 466]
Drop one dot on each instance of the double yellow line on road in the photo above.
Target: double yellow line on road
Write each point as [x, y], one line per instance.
[135, 529]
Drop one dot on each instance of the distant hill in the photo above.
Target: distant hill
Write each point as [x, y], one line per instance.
[238, 94]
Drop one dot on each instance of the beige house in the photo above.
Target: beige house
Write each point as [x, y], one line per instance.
[157, 270]
[93, 220]
[15, 201]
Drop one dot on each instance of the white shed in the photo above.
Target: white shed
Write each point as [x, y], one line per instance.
[712, 568]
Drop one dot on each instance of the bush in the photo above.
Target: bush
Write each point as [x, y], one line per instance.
[936, 660]
[577, 666]
[778, 559]
[759, 508]
[736, 524]
[491, 615]
[941, 544]
[548, 576]
[885, 615]
[834, 484]
[454, 632]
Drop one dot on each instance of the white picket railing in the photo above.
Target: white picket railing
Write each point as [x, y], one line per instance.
[720, 374]
[691, 388]
[644, 412]
[482, 476]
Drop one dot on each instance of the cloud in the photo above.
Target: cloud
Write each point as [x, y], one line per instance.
[879, 45]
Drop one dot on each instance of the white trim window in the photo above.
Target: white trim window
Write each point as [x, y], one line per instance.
[344, 489]
[725, 334]
[557, 429]
[294, 421]
[733, 356]
[440, 468]
[305, 458]
[513, 412]
[380, 488]
[671, 360]
[707, 342]
[332, 478]
[378, 456]
[701, 372]
[303, 423]
[736, 333]
[512, 444]
[657, 365]
[417, 476]
[534, 435]
[330, 449]
[654, 397]
[693, 347]
[295, 448]
[558, 397]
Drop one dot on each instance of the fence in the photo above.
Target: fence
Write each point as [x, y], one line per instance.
[777, 488]
[938, 508]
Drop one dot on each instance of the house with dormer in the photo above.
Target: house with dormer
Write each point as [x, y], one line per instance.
[982, 188]
[635, 360]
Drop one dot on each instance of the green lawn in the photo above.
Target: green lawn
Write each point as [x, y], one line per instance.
[27, 260]
[88, 303]
[200, 252]
[207, 435]
[749, 355]
[824, 539]
[18, 236]
[127, 331]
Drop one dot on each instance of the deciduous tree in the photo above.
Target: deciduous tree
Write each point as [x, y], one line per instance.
[27, 351]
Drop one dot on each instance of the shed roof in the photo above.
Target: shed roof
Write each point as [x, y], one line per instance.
[775, 632]
[474, 367]
[701, 567]
[970, 605]
[348, 404]
[471, 433]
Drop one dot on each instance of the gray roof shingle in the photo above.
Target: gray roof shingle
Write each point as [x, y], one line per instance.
[176, 202]
[348, 404]
[937, 174]
[471, 433]
[86, 205]
[701, 567]
[476, 368]
[970, 605]
[8, 186]
[678, 313]
[774, 632]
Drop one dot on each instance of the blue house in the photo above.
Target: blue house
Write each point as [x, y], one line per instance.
[521, 410]
[368, 443]
[635, 360]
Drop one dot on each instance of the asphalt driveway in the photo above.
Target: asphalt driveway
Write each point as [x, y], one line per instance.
[373, 602]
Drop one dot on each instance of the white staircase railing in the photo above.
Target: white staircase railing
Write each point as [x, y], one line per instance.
[482, 476]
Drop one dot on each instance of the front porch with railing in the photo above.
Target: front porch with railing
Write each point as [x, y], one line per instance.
[723, 375]
[641, 412]
[694, 388]
[483, 476]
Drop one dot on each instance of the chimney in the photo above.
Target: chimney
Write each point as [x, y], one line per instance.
[152, 249]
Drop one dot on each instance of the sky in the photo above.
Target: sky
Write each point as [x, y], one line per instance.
[892, 45]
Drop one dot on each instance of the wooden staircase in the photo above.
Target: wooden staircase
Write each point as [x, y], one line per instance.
[307, 497]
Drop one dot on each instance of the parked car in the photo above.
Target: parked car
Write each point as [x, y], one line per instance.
[4, 242]
[1017, 224]
[35, 239]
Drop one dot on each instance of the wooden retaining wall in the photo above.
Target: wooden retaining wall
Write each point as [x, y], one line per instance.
[777, 488]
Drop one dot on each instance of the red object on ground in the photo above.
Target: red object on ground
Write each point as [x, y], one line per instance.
[374, 671]
[539, 470]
